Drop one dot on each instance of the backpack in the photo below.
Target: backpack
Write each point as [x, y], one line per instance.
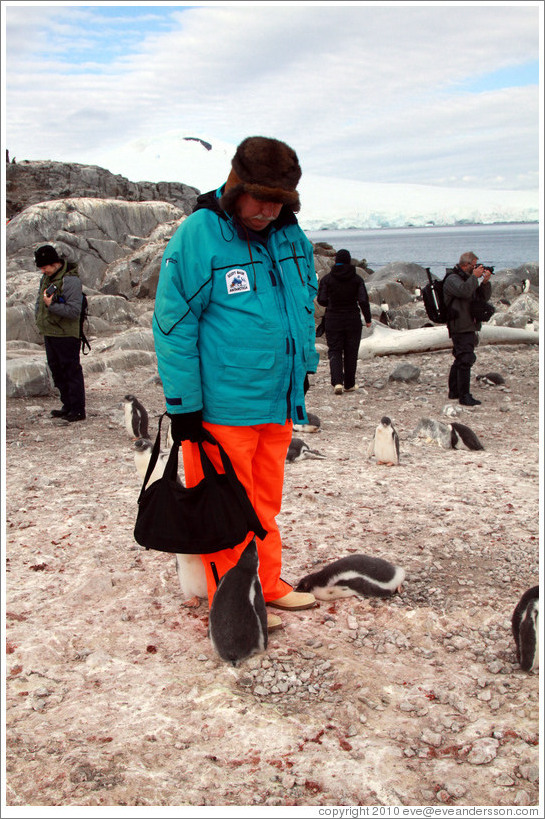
[432, 296]
[84, 317]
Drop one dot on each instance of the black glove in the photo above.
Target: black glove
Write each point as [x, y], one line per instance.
[306, 384]
[186, 426]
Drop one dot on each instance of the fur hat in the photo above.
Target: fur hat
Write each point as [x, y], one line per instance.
[265, 168]
[343, 257]
[46, 254]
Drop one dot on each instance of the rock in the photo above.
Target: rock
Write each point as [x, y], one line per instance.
[405, 372]
[31, 182]
[483, 751]
[90, 231]
[28, 377]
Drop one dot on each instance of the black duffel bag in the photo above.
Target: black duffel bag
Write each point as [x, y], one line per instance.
[215, 514]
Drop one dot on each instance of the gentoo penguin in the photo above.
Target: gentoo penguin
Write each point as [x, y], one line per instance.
[298, 450]
[237, 624]
[491, 379]
[449, 436]
[463, 437]
[525, 625]
[136, 418]
[385, 444]
[312, 426]
[191, 576]
[385, 314]
[354, 575]
[142, 454]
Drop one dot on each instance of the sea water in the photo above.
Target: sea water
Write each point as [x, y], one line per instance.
[502, 246]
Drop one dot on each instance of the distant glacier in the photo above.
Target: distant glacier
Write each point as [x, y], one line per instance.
[327, 203]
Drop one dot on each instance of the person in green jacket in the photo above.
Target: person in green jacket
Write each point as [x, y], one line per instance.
[235, 339]
[57, 312]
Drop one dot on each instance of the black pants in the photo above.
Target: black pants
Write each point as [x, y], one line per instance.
[63, 360]
[463, 350]
[343, 335]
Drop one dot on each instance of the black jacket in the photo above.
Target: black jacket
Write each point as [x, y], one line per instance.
[459, 290]
[343, 291]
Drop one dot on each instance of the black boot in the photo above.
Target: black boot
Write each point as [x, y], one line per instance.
[468, 400]
[464, 380]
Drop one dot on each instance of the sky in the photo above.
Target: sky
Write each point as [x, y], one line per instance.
[443, 94]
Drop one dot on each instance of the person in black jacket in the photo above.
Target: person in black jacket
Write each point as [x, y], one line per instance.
[464, 283]
[343, 293]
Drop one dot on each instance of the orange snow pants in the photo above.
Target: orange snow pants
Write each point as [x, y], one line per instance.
[258, 454]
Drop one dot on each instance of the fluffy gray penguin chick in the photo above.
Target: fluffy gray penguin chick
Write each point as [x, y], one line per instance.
[354, 575]
[237, 624]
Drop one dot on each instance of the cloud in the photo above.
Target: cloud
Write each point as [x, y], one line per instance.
[370, 92]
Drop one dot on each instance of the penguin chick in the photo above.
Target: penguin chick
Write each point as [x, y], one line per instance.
[525, 627]
[448, 436]
[385, 443]
[237, 624]
[313, 425]
[352, 576]
[491, 379]
[462, 436]
[136, 418]
[298, 450]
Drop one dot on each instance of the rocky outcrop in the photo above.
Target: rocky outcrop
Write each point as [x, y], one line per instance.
[119, 245]
[96, 233]
[28, 183]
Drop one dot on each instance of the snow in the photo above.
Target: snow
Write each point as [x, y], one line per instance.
[327, 203]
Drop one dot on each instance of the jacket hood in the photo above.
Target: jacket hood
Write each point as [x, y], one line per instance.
[343, 272]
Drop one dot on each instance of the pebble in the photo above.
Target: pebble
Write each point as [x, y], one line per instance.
[484, 750]
[431, 738]
[529, 772]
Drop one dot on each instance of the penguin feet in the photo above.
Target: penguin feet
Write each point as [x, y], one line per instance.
[273, 622]
[294, 601]
[192, 603]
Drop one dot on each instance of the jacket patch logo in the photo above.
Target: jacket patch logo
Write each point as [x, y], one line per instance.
[237, 281]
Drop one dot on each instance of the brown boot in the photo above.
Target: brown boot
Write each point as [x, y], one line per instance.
[273, 622]
[294, 601]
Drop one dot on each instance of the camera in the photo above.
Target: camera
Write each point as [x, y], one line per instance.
[488, 267]
[51, 289]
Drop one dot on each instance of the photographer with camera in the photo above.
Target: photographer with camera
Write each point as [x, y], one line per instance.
[57, 312]
[466, 288]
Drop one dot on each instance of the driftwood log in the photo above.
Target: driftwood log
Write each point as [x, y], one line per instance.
[384, 340]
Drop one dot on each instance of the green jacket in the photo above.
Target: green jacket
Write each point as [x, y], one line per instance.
[62, 317]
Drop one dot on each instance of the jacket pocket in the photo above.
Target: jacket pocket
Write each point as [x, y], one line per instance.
[242, 379]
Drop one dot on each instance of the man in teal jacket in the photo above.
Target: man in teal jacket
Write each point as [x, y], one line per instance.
[235, 338]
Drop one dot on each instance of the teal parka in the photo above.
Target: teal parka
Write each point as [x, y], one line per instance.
[234, 318]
